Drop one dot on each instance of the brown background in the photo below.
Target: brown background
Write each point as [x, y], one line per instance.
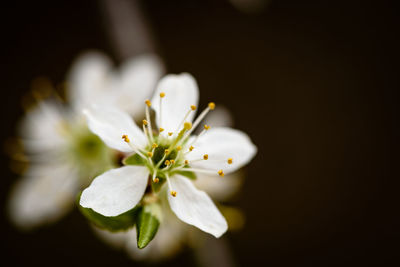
[312, 82]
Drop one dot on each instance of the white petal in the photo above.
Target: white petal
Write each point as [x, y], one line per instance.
[42, 127]
[116, 191]
[89, 79]
[195, 207]
[221, 144]
[43, 195]
[110, 124]
[180, 93]
[138, 79]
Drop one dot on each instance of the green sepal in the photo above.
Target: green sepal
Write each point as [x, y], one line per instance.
[134, 159]
[188, 174]
[121, 222]
[147, 224]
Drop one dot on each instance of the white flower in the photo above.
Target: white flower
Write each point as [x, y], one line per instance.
[166, 157]
[63, 154]
[173, 234]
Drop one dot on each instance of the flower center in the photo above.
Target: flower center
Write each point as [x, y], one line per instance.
[165, 154]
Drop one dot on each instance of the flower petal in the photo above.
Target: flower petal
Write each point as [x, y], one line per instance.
[110, 124]
[220, 144]
[41, 128]
[90, 78]
[195, 207]
[180, 93]
[116, 191]
[45, 193]
[138, 79]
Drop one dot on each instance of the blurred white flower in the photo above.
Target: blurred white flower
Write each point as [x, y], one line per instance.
[63, 154]
[166, 158]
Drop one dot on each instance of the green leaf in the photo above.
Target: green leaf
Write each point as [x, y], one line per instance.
[188, 174]
[121, 222]
[147, 224]
[134, 159]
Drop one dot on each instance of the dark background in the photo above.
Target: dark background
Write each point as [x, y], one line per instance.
[313, 83]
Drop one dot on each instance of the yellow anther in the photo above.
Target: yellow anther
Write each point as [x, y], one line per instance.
[193, 107]
[173, 193]
[205, 157]
[186, 162]
[211, 105]
[187, 125]
[126, 139]
[191, 148]
[156, 180]
[148, 103]
[221, 173]
[178, 148]
[167, 162]
[172, 161]
[154, 145]
[230, 160]
[161, 130]
[166, 151]
[170, 133]
[150, 154]
[145, 122]
[206, 127]
[162, 94]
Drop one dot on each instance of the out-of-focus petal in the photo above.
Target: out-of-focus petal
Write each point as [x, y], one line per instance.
[221, 144]
[110, 124]
[138, 79]
[195, 207]
[42, 128]
[90, 78]
[116, 191]
[181, 92]
[217, 188]
[45, 193]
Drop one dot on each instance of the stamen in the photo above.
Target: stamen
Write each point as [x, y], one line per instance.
[162, 95]
[205, 157]
[178, 148]
[221, 173]
[156, 180]
[135, 149]
[145, 122]
[186, 126]
[206, 128]
[167, 162]
[192, 108]
[170, 133]
[230, 161]
[125, 137]
[148, 105]
[173, 193]
[191, 148]
[211, 106]
[150, 154]
[161, 130]
[154, 145]
[186, 162]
